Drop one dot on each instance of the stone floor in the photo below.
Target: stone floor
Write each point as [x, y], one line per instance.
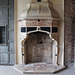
[9, 70]
[38, 68]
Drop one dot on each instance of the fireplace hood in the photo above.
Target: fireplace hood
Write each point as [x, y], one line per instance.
[37, 10]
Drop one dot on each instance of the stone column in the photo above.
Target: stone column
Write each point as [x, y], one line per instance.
[22, 54]
[23, 49]
[55, 52]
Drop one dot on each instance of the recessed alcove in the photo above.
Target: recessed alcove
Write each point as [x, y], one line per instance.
[38, 48]
[2, 35]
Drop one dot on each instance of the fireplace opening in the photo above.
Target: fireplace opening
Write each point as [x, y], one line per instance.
[38, 48]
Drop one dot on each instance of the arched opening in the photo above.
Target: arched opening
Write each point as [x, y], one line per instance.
[38, 48]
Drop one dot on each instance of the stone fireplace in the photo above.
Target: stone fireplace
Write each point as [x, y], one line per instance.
[39, 47]
[39, 39]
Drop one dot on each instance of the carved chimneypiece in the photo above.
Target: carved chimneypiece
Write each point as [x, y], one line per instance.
[38, 22]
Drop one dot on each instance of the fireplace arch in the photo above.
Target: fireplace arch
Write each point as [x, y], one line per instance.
[39, 46]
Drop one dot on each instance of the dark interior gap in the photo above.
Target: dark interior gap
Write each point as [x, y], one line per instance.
[38, 0]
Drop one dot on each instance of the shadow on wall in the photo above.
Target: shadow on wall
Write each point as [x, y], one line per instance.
[73, 32]
[54, 13]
